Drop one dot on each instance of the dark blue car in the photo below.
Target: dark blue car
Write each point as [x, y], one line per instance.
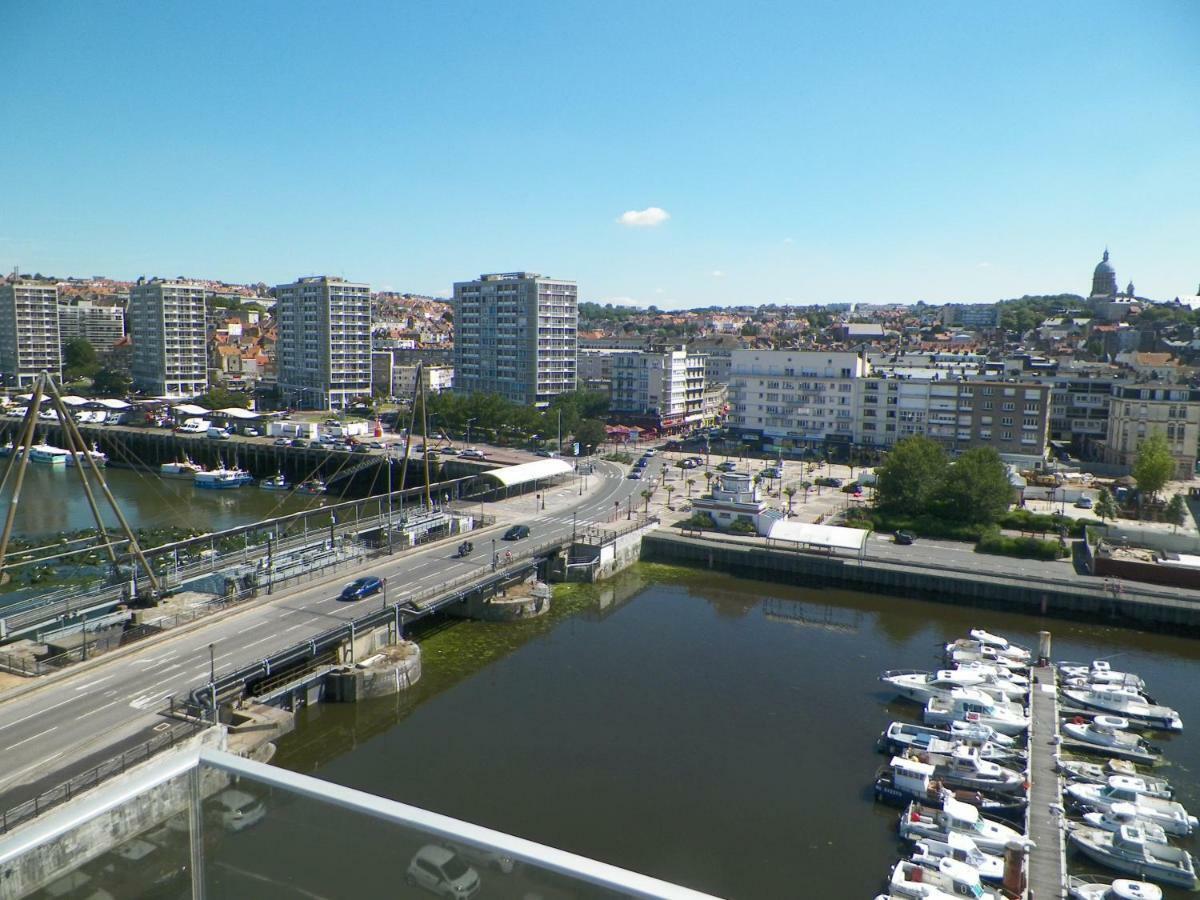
[362, 587]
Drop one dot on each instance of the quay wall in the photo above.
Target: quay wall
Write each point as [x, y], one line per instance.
[943, 586]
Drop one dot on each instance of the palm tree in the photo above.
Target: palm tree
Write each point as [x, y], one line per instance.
[790, 492]
[708, 477]
[691, 483]
[807, 485]
[670, 489]
[646, 495]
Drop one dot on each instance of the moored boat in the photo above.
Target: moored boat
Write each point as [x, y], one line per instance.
[275, 483]
[910, 879]
[962, 848]
[1121, 791]
[1120, 814]
[905, 780]
[311, 486]
[1097, 773]
[969, 705]
[920, 821]
[219, 479]
[1125, 702]
[99, 457]
[186, 469]
[899, 737]
[1129, 851]
[48, 455]
[1107, 735]
[1104, 887]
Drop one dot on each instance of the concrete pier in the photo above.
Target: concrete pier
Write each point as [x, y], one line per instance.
[1044, 819]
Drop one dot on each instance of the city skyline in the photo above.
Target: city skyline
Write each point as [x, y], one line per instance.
[675, 156]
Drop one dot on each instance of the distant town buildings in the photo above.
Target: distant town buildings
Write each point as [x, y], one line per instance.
[515, 334]
[167, 325]
[29, 331]
[324, 349]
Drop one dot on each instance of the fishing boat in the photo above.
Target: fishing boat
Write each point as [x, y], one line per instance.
[48, 455]
[1121, 790]
[1099, 773]
[186, 469]
[910, 879]
[969, 705]
[1125, 702]
[1131, 852]
[962, 848]
[900, 737]
[909, 779]
[1120, 814]
[311, 486]
[275, 483]
[219, 479]
[1107, 735]
[920, 822]
[99, 458]
[1102, 887]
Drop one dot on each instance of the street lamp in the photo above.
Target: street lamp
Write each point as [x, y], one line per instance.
[493, 554]
[469, 421]
[212, 664]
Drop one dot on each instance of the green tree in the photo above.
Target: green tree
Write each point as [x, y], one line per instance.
[1106, 507]
[789, 492]
[646, 495]
[110, 383]
[220, 398]
[911, 476]
[1154, 466]
[1176, 512]
[976, 489]
[590, 434]
[79, 359]
[691, 484]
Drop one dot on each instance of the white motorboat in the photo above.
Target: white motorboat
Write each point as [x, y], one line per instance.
[1121, 790]
[1097, 773]
[920, 686]
[910, 879]
[960, 847]
[920, 822]
[186, 469]
[899, 737]
[1120, 814]
[1000, 644]
[1129, 851]
[1125, 702]
[966, 650]
[1102, 887]
[99, 457]
[1108, 735]
[989, 668]
[972, 706]
[48, 455]
[908, 779]
[275, 483]
[963, 768]
[1099, 672]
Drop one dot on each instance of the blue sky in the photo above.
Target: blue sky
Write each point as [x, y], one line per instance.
[801, 152]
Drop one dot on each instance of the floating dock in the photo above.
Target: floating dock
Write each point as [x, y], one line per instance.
[1047, 871]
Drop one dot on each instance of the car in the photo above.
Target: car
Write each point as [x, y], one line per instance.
[541, 453]
[1084, 503]
[904, 537]
[516, 533]
[635, 475]
[448, 451]
[378, 445]
[360, 448]
[727, 466]
[650, 451]
[641, 463]
[250, 432]
[361, 587]
[282, 442]
[698, 460]
[299, 442]
[687, 464]
[473, 453]
[827, 481]
[439, 870]
[772, 472]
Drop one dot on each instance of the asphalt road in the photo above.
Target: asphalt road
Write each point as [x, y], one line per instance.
[69, 718]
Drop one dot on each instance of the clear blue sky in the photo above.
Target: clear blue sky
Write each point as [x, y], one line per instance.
[803, 152]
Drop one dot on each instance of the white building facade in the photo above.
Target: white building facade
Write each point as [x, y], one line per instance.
[167, 325]
[101, 326]
[324, 347]
[661, 389]
[29, 332]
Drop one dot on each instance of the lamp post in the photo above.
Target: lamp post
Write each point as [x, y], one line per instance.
[212, 664]
[493, 554]
[469, 421]
[559, 447]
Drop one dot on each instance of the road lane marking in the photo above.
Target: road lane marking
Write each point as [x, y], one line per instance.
[37, 765]
[97, 709]
[28, 739]
[42, 711]
[95, 681]
[142, 701]
[260, 641]
[294, 627]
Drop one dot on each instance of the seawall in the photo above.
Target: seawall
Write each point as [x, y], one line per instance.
[943, 586]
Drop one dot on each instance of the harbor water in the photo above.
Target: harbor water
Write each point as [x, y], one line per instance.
[714, 732]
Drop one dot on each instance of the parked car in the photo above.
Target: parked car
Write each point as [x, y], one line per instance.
[727, 466]
[250, 432]
[473, 453]
[217, 434]
[441, 871]
[361, 587]
[635, 475]
[827, 481]
[698, 460]
[448, 451]
[772, 472]
[516, 533]
[1084, 503]
[360, 448]
[282, 442]
[300, 442]
[904, 537]
[687, 464]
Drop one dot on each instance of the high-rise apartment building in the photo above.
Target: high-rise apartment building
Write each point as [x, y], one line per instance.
[324, 347]
[101, 326]
[662, 388]
[29, 339]
[515, 334]
[168, 328]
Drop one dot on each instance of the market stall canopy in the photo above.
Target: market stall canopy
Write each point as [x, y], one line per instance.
[190, 409]
[524, 473]
[832, 537]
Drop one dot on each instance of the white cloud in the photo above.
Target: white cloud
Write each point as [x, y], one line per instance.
[644, 218]
[717, 273]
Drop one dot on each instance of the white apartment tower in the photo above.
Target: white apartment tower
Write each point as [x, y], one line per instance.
[515, 334]
[662, 388]
[324, 348]
[29, 340]
[168, 328]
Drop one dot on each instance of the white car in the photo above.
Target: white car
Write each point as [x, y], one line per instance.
[441, 871]
[472, 453]
[235, 809]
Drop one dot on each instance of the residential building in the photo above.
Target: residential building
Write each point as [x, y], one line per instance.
[515, 334]
[100, 325]
[168, 328]
[383, 366]
[1079, 404]
[29, 331]
[981, 316]
[324, 348]
[718, 355]
[1139, 410]
[595, 368]
[661, 389]
[435, 379]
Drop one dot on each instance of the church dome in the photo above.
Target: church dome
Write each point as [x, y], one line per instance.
[1104, 279]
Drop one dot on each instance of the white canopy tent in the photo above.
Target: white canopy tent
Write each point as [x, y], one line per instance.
[523, 473]
[111, 403]
[824, 537]
[236, 412]
[190, 409]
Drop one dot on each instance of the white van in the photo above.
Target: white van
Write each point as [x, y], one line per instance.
[195, 426]
[218, 434]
